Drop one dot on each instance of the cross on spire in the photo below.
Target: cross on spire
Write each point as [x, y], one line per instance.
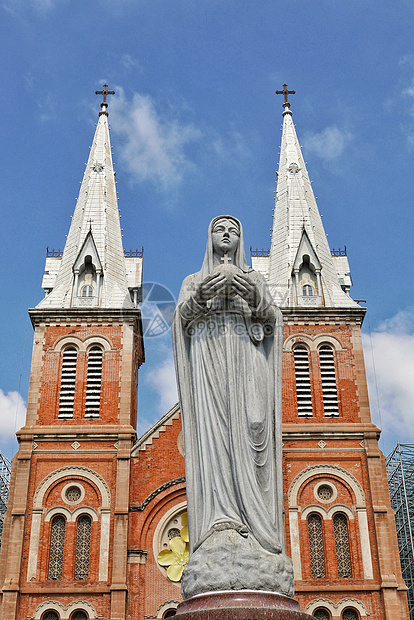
[285, 92]
[104, 103]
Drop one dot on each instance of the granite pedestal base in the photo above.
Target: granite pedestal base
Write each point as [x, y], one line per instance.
[240, 605]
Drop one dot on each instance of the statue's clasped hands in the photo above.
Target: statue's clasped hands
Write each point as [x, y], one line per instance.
[216, 283]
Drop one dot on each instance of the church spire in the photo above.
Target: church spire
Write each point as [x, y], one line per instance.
[302, 270]
[92, 271]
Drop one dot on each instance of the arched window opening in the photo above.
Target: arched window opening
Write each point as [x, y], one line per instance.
[303, 385]
[169, 613]
[50, 615]
[93, 383]
[87, 291]
[79, 615]
[343, 554]
[322, 614]
[317, 555]
[328, 378]
[67, 383]
[350, 614]
[307, 290]
[83, 547]
[57, 546]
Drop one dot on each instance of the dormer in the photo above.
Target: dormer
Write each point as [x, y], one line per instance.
[306, 274]
[87, 278]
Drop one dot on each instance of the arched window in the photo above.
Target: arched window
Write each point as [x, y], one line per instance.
[83, 547]
[169, 613]
[86, 291]
[307, 290]
[93, 383]
[317, 555]
[343, 554]
[303, 385]
[350, 614]
[322, 614]
[57, 546]
[67, 382]
[50, 615]
[328, 378]
[79, 615]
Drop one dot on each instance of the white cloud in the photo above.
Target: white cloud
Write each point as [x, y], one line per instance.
[328, 144]
[153, 145]
[390, 370]
[162, 379]
[12, 415]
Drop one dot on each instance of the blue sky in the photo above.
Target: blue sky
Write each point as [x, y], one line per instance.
[196, 132]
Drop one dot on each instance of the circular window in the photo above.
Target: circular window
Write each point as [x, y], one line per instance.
[73, 494]
[325, 492]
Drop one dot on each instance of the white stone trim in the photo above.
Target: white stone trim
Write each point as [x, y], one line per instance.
[325, 470]
[64, 612]
[156, 544]
[365, 544]
[312, 508]
[84, 510]
[337, 609]
[165, 606]
[75, 472]
[312, 342]
[58, 510]
[81, 345]
[295, 544]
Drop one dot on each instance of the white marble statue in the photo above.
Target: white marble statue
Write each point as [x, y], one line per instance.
[227, 347]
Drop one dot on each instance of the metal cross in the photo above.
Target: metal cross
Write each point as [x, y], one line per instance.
[226, 259]
[105, 92]
[285, 92]
[104, 103]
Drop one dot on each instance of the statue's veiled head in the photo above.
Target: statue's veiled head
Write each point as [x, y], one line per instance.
[225, 238]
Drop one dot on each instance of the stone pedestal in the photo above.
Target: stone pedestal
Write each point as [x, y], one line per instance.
[240, 605]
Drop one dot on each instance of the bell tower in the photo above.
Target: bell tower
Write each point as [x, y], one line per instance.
[340, 528]
[65, 535]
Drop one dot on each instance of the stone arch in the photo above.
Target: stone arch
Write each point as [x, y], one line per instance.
[321, 602]
[313, 342]
[312, 509]
[64, 612]
[98, 340]
[64, 341]
[361, 510]
[165, 607]
[52, 478]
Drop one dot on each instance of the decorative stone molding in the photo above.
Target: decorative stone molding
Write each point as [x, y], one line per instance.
[160, 489]
[312, 342]
[165, 607]
[159, 530]
[65, 612]
[74, 472]
[336, 609]
[82, 345]
[326, 514]
[324, 470]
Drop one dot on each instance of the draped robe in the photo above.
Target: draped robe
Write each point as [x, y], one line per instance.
[228, 365]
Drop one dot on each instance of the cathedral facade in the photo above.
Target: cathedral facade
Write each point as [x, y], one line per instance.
[91, 507]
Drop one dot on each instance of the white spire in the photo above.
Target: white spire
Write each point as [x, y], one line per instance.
[92, 271]
[301, 268]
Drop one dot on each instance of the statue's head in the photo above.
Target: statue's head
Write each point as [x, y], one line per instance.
[225, 235]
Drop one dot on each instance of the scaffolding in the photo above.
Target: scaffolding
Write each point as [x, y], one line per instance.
[400, 472]
[5, 469]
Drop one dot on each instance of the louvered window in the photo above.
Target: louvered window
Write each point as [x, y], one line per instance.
[328, 377]
[83, 547]
[93, 383]
[317, 555]
[57, 545]
[67, 383]
[303, 385]
[343, 554]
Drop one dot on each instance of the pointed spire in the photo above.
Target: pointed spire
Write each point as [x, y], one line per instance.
[297, 229]
[93, 255]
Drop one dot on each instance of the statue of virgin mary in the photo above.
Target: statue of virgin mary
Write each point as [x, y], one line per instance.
[227, 341]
